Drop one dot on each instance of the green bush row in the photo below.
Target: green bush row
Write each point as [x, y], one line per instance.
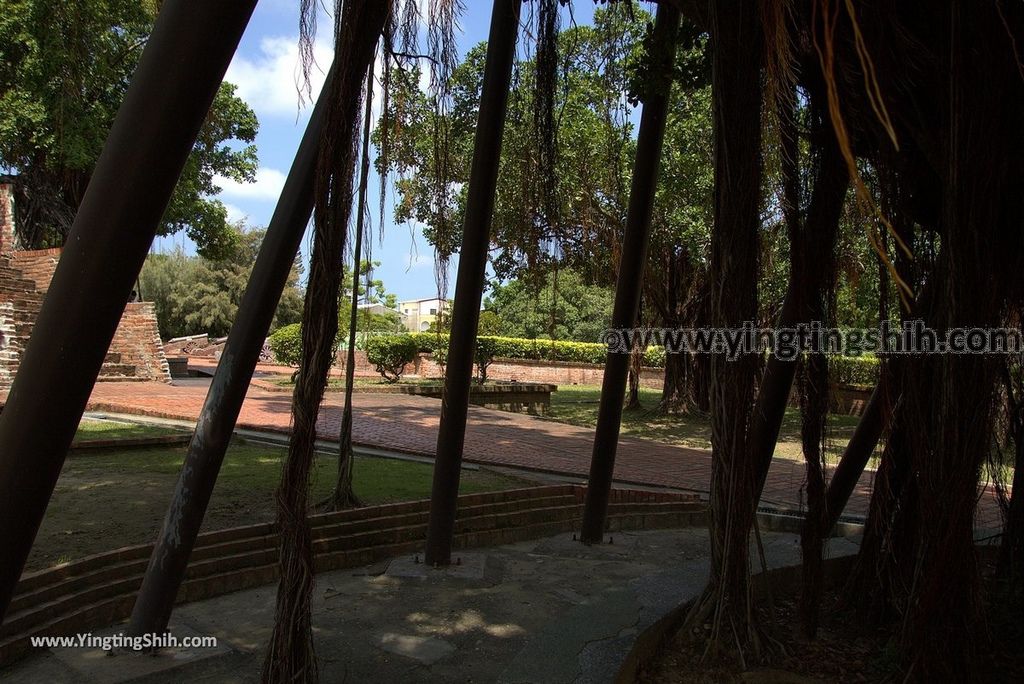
[539, 350]
[854, 370]
[390, 353]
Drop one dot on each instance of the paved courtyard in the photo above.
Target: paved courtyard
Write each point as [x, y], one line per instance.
[550, 611]
[408, 424]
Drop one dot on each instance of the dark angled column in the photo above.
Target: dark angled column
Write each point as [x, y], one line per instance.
[224, 399]
[855, 459]
[631, 269]
[483, 180]
[178, 75]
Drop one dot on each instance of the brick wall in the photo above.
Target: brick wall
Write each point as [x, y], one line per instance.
[135, 352]
[137, 343]
[9, 350]
[514, 370]
[7, 235]
[549, 372]
[364, 369]
[37, 265]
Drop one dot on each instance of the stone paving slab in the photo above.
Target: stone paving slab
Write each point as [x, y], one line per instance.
[512, 624]
[111, 667]
[408, 424]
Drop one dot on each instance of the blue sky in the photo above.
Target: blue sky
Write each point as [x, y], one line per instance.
[265, 70]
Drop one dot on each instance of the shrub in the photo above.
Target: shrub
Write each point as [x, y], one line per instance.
[854, 370]
[286, 343]
[536, 349]
[484, 356]
[390, 354]
[439, 350]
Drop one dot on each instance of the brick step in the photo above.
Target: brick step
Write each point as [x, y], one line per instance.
[116, 370]
[100, 590]
[262, 537]
[327, 531]
[69, 577]
[29, 600]
[19, 287]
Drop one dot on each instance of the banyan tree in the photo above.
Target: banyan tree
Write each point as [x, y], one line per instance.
[911, 113]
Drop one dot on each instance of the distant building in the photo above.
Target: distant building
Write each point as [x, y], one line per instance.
[378, 309]
[418, 314]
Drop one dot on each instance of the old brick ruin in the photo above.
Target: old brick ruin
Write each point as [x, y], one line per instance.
[136, 352]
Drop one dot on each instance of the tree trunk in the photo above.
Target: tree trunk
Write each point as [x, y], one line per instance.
[736, 97]
[677, 389]
[290, 656]
[1011, 547]
[813, 270]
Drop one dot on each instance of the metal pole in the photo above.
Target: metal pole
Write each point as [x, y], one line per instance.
[169, 560]
[631, 271]
[483, 180]
[170, 94]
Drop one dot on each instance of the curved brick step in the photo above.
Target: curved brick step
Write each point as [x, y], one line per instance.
[39, 587]
[100, 590]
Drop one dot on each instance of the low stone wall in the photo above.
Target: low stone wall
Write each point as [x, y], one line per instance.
[545, 372]
[511, 370]
[364, 369]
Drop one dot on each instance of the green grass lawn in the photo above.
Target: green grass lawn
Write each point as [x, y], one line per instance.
[90, 429]
[108, 499]
[577, 404]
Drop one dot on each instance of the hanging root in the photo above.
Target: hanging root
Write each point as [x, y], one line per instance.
[290, 655]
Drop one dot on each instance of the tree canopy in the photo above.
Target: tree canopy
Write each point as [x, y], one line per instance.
[64, 69]
[194, 295]
[570, 310]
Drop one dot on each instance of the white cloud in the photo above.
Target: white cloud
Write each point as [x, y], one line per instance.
[420, 261]
[235, 214]
[270, 81]
[267, 188]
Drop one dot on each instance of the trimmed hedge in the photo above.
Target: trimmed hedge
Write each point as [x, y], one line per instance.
[854, 370]
[392, 349]
[390, 354]
[846, 370]
[540, 350]
[286, 343]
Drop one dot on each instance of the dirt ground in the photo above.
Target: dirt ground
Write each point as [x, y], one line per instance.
[849, 648]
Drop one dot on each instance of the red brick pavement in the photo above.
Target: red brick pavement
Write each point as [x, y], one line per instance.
[408, 424]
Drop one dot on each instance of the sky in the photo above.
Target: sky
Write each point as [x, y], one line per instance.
[266, 71]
